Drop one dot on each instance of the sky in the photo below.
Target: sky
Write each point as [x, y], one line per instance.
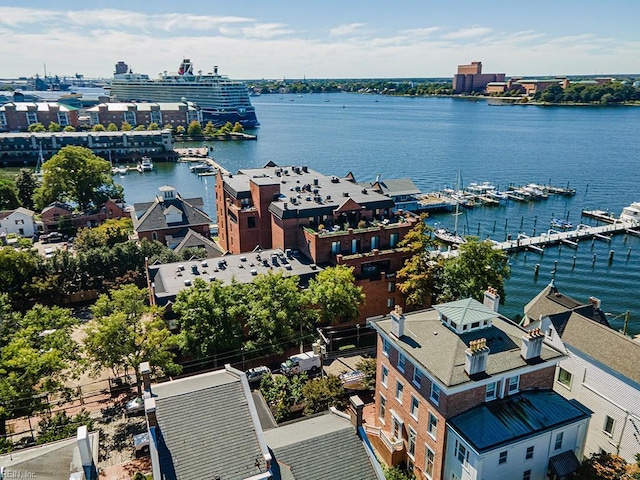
[255, 39]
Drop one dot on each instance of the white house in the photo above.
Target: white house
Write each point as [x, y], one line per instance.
[601, 371]
[523, 436]
[19, 221]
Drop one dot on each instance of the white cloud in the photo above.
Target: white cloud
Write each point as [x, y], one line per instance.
[266, 30]
[347, 29]
[467, 33]
[421, 32]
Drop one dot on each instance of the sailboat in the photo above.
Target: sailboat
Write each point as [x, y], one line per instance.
[444, 234]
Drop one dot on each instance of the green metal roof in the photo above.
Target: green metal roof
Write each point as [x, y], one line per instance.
[465, 311]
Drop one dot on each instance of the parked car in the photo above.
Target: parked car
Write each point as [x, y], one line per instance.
[256, 374]
[134, 406]
[53, 237]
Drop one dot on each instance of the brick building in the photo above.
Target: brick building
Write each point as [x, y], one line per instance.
[17, 116]
[465, 393]
[59, 215]
[330, 220]
[174, 114]
[471, 79]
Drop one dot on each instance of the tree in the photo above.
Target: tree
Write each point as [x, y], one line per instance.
[477, 266]
[18, 269]
[282, 393]
[194, 129]
[602, 466]
[126, 332]
[140, 128]
[335, 292]
[209, 316]
[9, 199]
[153, 126]
[60, 426]
[368, 366]
[167, 126]
[108, 234]
[276, 315]
[98, 127]
[210, 130]
[36, 127]
[321, 393]
[112, 127]
[417, 278]
[54, 127]
[69, 128]
[36, 359]
[126, 127]
[73, 174]
[180, 130]
[237, 128]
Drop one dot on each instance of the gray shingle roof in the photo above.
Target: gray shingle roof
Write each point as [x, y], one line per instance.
[441, 351]
[393, 187]
[503, 421]
[193, 239]
[319, 448]
[547, 302]
[206, 429]
[150, 216]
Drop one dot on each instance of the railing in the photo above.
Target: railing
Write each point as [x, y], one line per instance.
[392, 445]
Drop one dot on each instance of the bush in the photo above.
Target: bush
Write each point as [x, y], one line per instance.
[60, 426]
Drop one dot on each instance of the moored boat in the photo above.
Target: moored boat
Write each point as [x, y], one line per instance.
[145, 165]
[631, 213]
[561, 223]
[448, 237]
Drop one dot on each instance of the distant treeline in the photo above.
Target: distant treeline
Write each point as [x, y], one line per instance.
[381, 86]
[614, 92]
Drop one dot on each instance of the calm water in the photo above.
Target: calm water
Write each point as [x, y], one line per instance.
[596, 150]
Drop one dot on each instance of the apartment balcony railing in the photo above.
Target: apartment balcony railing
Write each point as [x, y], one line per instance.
[391, 444]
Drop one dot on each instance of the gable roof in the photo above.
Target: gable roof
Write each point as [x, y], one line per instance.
[321, 447]
[19, 210]
[393, 187]
[349, 205]
[193, 239]
[547, 302]
[527, 414]
[207, 428]
[152, 216]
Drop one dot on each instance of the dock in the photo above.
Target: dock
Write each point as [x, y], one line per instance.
[602, 215]
[571, 237]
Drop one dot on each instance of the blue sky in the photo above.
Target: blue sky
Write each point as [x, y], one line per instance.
[324, 39]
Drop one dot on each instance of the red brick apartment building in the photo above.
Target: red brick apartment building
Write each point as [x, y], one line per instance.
[451, 380]
[330, 220]
[174, 114]
[17, 116]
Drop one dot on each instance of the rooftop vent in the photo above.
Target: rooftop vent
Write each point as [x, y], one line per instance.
[187, 282]
[243, 259]
[180, 267]
[335, 180]
[305, 169]
[315, 182]
[211, 278]
[313, 266]
[205, 264]
[307, 198]
[364, 190]
[254, 271]
[328, 197]
[287, 266]
[345, 194]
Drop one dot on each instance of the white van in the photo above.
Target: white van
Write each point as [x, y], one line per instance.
[301, 362]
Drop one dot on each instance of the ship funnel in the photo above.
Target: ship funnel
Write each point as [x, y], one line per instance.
[215, 69]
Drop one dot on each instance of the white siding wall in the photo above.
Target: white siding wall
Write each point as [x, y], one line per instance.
[24, 221]
[606, 394]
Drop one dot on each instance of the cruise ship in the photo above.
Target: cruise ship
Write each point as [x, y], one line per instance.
[221, 99]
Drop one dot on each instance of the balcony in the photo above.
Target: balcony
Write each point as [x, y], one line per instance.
[328, 229]
[392, 445]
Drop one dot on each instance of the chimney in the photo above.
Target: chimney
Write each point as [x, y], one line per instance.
[491, 299]
[532, 344]
[397, 322]
[150, 411]
[84, 446]
[476, 357]
[595, 302]
[145, 373]
[355, 412]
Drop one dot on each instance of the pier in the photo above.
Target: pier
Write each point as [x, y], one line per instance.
[570, 238]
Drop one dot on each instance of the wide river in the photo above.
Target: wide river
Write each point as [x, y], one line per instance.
[595, 150]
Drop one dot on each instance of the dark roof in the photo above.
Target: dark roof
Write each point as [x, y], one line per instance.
[393, 187]
[564, 463]
[207, 428]
[151, 216]
[441, 351]
[319, 448]
[547, 302]
[193, 239]
[516, 417]
[601, 343]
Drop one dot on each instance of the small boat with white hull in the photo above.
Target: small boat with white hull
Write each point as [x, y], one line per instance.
[561, 224]
[448, 237]
[201, 168]
[145, 165]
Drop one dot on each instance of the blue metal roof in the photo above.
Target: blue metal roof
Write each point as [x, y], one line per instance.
[518, 416]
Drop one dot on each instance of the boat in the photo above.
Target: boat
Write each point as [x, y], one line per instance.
[201, 168]
[444, 234]
[145, 165]
[222, 100]
[631, 213]
[119, 170]
[561, 223]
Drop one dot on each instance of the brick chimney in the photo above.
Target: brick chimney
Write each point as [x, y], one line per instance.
[397, 322]
[491, 299]
[476, 357]
[355, 412]
[150, 412]
[145, 373]
[532, 344]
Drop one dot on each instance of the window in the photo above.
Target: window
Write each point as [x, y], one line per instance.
[3, 119]
[514, 384]
[432, 427]
[417, 377]
[385, 347]
[401, 362]
[399, 391]
[32, 117]
[393, 240]
[335, 247]
[429, 463]
[558, 444]
[503, 457]
[63, 119]
[411, 444]
[414, 407]
[396, 431]
[526, 475]
[251, 222]
[462, 453]
[529, 454]
[435, 394]
[564, 377]
[390, 302]
[20, 221]
[383, 408]
[609, 423]
[355, 245]
[492, 391]
[375, 242]
[391, 287]
[384, 376]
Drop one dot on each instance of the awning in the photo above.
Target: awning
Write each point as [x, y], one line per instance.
[564, 463]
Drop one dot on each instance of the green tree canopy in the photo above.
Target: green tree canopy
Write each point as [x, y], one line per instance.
[74, 174]
[126, 332]
[26, 183]
[210, 317]
[153, 126]
[98, 127]
[54, 127]
[112, 127]
[9, 195]
[321, 393]
[194, 128]
[69, 128]
[140, 128]
[335, 292]
[36, 127]
[477, 266]
[180, 130]
[107, 234]
[126, 127]
[238, 128]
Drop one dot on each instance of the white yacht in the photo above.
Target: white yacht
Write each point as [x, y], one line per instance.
[631, 213]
